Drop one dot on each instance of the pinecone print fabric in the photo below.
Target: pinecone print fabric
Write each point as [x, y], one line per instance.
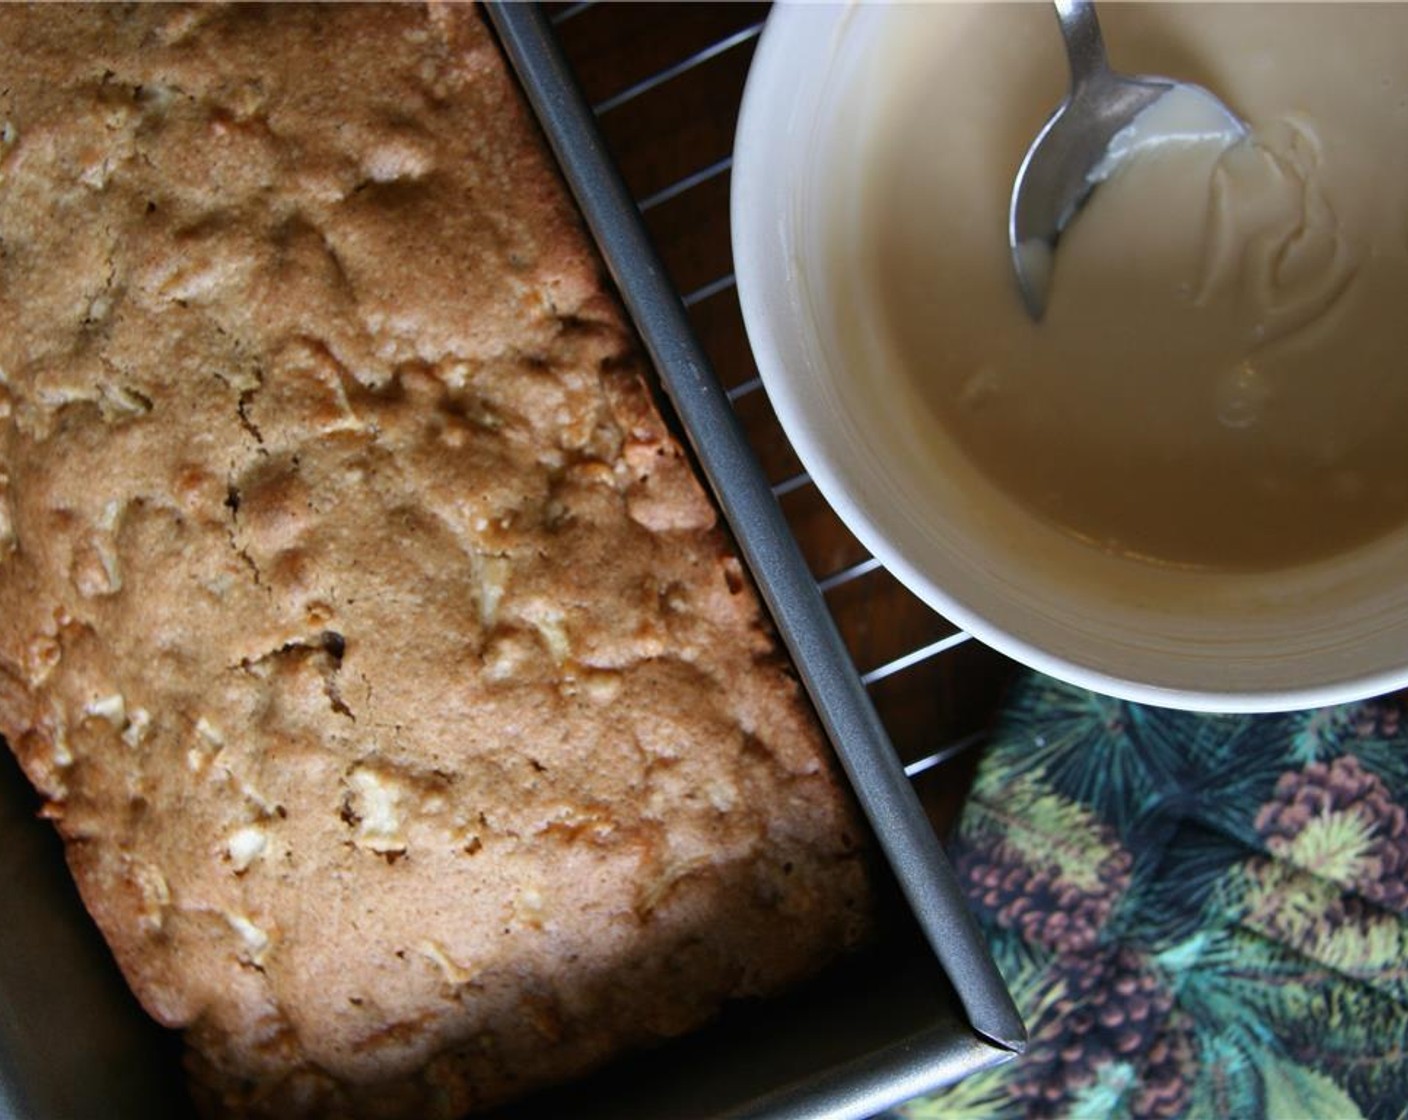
[1201, 916]
[1034, 898]
[1342, 797]
[1119, 1020]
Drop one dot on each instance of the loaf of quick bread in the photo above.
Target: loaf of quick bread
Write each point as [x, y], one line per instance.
[415, 736]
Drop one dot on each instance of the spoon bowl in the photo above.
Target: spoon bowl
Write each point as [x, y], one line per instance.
[1087, 136]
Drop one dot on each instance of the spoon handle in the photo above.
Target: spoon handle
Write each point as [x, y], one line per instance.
[1085, 46]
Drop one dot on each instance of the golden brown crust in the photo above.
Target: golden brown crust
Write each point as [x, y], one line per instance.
[415, 737]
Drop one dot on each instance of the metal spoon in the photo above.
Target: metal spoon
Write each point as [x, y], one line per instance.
[1059, 170]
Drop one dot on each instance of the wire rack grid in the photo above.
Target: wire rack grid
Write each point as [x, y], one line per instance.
[664, 82]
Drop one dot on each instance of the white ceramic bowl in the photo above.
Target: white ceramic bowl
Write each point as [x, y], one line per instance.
[1316, 634]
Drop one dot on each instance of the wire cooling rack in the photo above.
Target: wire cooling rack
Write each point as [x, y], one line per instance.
[664, 82]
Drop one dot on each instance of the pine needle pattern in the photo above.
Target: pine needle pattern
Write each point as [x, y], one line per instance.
[1200, 916]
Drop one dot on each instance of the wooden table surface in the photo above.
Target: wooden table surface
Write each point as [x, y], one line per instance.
[666, 80]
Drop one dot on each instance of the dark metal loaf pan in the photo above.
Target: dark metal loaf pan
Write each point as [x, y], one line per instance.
[925, 1007]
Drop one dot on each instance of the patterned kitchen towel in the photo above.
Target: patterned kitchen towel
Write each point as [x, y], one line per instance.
[1202, 916]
